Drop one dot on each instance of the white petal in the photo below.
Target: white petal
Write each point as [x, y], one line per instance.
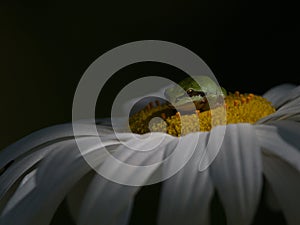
[55, 177]
[291, 96]
[107, 202]
[277, 94]
[289, 131]
[236, 173]
[38, 140]
[287, 107]
[133, 152]
[270, 197]
[273, 141]
[17, 170]
[293, 101]
[27, 185]
[77, 193]
[103, 121]
[290, 110]
[291, 113]
[215, 140]
[185, 197]
[285, 182]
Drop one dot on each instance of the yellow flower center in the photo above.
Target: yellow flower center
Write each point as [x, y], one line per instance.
[238, 108]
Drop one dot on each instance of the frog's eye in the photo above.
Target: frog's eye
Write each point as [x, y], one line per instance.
[189, 91]
[192, 93]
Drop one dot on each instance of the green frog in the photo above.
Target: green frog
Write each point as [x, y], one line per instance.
[199, 92]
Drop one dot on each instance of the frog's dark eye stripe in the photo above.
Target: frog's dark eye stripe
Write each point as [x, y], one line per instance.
[192, 93]
[201, 93]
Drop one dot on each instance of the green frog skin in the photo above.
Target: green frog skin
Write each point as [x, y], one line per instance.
[199, 92]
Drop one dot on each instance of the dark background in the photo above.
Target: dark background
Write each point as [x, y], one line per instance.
[45, 48]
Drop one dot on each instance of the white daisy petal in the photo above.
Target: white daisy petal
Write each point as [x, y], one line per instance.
[277, 94]
[103, 121]
[146, 151]
[39, 140]
[272, 143]
[19, 168]
[236, 173]
[288, 113]
[76, 196]
[27, 185]
[287, 107]
[77, 193]
[119, 197]
[289, 131]
[285, 182]
[110, 208]
[270, 197]
[40, 170]
[39, 205]
[292, 95]
[293, 102]
[11, 176]
[185, 197]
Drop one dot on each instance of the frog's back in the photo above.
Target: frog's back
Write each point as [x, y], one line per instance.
[204, 81]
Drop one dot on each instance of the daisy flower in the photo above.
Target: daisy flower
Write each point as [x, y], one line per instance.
[260, 147]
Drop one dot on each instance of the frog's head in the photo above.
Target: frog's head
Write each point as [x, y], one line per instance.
[198, 92]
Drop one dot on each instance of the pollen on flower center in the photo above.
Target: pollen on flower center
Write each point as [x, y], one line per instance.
[238, 108]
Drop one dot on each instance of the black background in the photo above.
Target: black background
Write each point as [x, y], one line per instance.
[45, 47]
